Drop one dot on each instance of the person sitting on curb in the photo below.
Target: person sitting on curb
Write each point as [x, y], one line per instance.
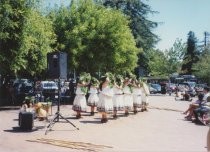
[193, 106]
[27, 105]
[204, 106]
[41, 113]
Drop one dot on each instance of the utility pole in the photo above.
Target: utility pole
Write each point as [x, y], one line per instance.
[206, 34]
[205, 37]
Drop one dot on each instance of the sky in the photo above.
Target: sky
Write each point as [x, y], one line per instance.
[177, 18]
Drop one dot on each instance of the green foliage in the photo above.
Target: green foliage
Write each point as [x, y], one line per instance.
[162, 64]
[175, 56]
[25, 38]
[36, 40]
[142, 28]
[192, 54]
[140, 25]
[158, 64]
[12, 14]
[95, 38]
[202, 67]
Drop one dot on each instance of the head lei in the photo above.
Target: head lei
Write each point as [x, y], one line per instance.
[110, 76]
[28, 100]
[94, 81]
[119, 80]
[140, 81]
[84, 77]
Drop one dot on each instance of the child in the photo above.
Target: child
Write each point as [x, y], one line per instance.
[93, 97]
[80, 104]
[105, 103]
[41, 113]
[27, 105]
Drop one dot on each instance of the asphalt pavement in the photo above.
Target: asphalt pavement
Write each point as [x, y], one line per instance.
[162, 128]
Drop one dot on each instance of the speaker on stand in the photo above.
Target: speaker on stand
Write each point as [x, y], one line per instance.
[57, 69]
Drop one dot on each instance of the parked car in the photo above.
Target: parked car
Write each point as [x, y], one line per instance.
[154, 88]
[49, 89]
[190, 85]
[171, 87]
[49, 86]
[23, 86]
[199, 88]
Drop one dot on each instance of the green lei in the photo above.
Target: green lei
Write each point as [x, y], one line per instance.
[84, 89]
[94, 82]
[131, 88]
[110, 84]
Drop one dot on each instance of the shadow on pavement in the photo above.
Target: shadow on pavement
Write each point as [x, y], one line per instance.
[19, 130]
[93, 122]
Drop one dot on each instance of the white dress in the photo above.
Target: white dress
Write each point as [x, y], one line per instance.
[118, 102]
[93, 97]
[144, 96]
[79, 101]
[137, 97]
[105, 103]
[127, 97]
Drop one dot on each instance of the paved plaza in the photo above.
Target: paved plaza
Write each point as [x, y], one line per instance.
[162, 128]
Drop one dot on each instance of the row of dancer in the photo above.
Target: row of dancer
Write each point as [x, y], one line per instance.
[111, 94]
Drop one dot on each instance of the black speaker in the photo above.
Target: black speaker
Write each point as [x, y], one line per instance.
[26, 120]
[57, 65]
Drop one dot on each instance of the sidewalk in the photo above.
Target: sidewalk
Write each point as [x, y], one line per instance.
[162, 128]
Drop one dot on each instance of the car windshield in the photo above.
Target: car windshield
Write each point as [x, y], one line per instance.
[200, 85]
[192, 84]
[155, 85]
[49, 85]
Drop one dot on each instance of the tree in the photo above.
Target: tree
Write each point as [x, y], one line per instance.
[191, 56]
[202, 67]
[25, 38]
[95, 38]
[158, 64]
[175, 56]
[36, 40]
[12, 15]
[141, 26]
[162, 64]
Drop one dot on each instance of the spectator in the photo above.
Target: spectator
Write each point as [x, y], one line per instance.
[41, 113]
[204, 107]
[163, 89]
[193, 106]
[27, 105]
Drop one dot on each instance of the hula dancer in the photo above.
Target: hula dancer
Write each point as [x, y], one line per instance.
[80, 104]
[137, 92]
[127, 97]
[105, 103]
[118, 103]
[93, 97]
[145, 93]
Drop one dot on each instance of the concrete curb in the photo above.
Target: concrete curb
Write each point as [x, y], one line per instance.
[9, 108]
